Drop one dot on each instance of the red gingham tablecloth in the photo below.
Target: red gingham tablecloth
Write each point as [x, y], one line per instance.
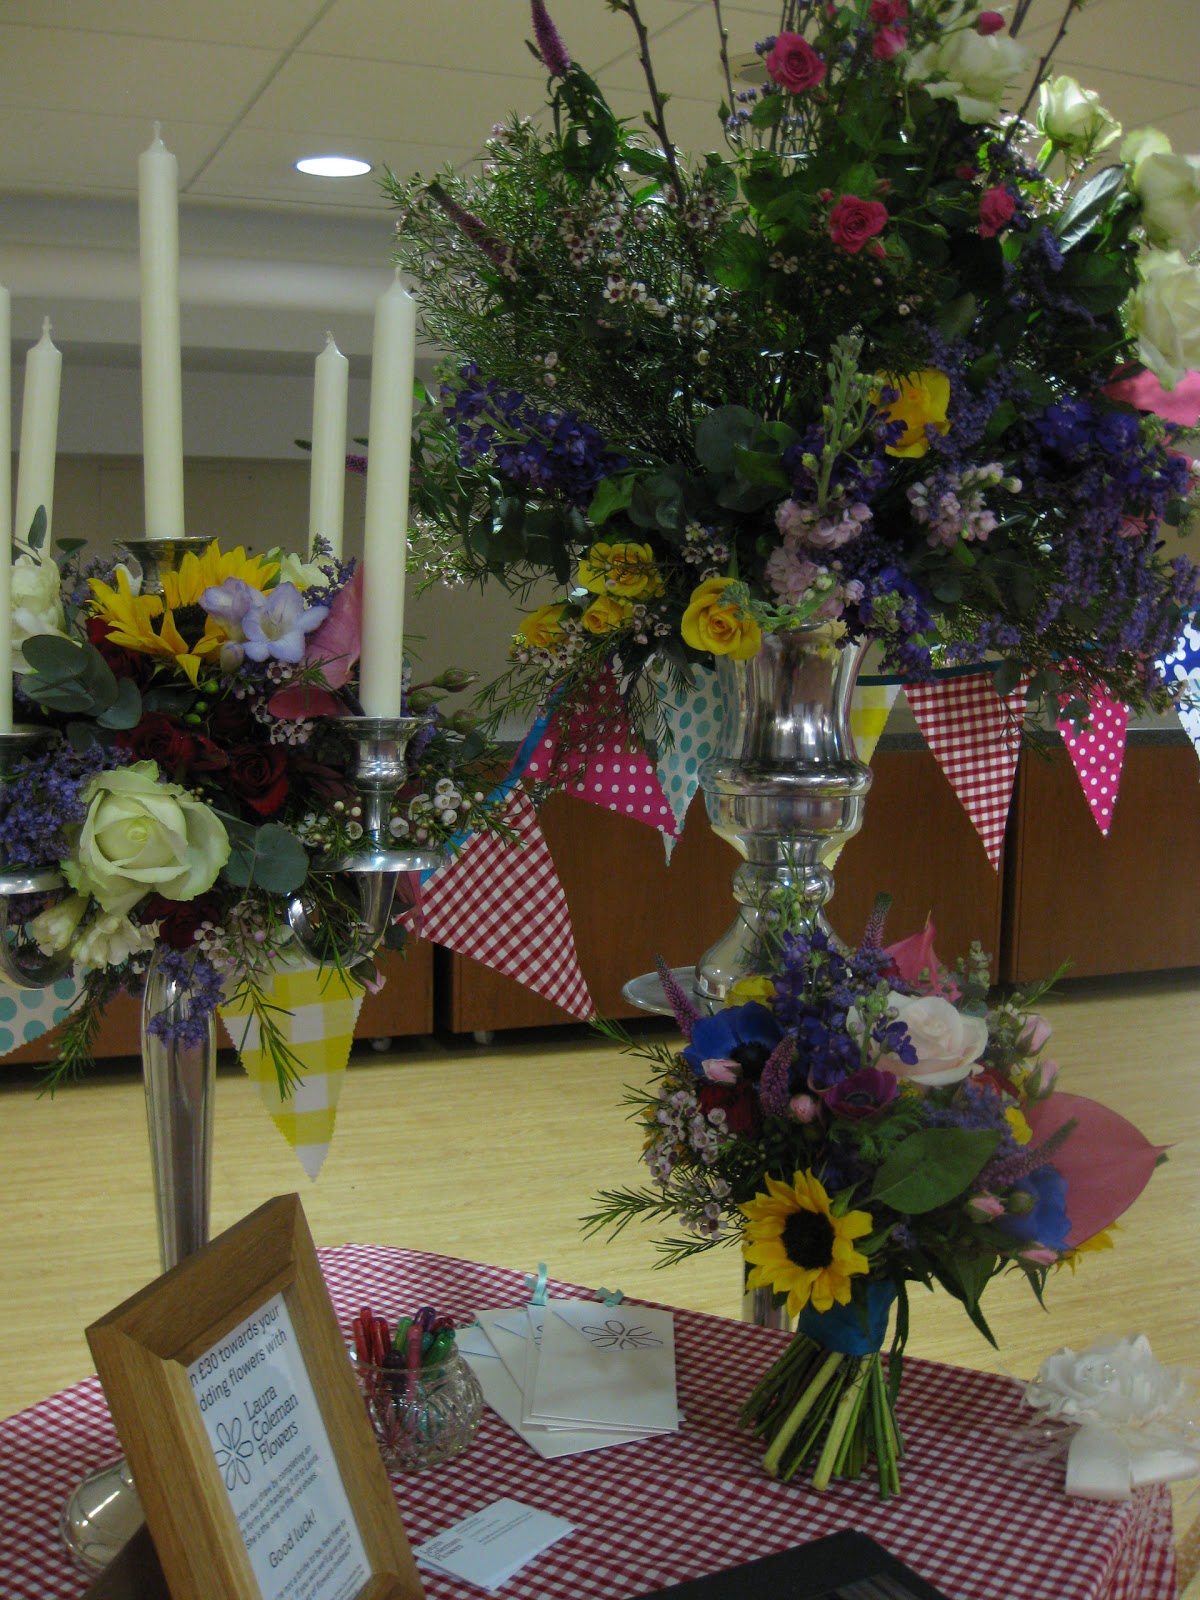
[975, 1518]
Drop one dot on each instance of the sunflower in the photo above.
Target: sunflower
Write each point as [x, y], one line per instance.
[186, 634]
[795, 1244]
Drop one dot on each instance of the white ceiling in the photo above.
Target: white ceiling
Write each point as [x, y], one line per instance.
[245, 87]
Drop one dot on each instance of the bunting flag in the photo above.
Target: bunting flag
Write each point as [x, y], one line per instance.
[26, 1014]
[500, 902]
[1098, 753]
[870, 707]
[975, 735]
[693, 717]
[611, 772]
[1183, 665]
[315, 1011]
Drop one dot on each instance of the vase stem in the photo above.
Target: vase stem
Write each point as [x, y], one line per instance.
[179, 1079]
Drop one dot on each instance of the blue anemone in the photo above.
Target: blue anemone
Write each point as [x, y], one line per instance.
[745, 1034]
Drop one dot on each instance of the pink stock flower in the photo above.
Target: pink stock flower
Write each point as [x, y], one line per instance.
[989, 22]
[794, 64]
[996, 207]
[853, 221]
[888, 43]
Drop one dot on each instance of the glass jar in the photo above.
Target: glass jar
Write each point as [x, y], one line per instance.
[424, 1420]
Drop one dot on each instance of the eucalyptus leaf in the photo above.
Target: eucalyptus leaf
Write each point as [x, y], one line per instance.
[720, 432]
[612, 495]
[755, 466]
[36, 537]
[54, 659]
[270, 857]
[126, 710]
[932, 1167]
[1007, 676]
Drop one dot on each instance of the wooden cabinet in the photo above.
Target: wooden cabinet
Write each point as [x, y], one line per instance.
[404, 1006]
[628, 906]
[1125, 903]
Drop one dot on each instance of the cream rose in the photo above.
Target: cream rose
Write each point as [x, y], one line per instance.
[972, 68]
[142, 836]
[1164, 315]
[1168, 185]
[1074, 118]
[948, 1043]
[36, 605]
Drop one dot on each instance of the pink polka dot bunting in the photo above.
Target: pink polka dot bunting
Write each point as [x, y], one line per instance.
[1098, 754]
[612, 772]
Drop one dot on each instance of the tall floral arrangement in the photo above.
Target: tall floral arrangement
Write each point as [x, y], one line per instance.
[195, 771]
[856, 364]
[859, 1121]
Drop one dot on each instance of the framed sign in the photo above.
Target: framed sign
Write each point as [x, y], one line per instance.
[244, 1428]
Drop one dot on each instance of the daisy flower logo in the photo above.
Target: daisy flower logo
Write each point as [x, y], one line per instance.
[797, 1245]
[616, 1335]
[233, 1453]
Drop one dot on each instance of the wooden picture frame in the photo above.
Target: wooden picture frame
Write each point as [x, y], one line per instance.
[198, 1334]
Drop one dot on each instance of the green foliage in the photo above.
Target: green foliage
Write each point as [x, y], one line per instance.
[931, 1168]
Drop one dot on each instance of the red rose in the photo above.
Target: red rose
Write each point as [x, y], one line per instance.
[988, 22]
[885, 12]
[230, 722]
[737, 1100]
[996, 207]
[157, 738]
[794, 64]
[178, 919]
[258, 776]
[853, 221]
[888, 43]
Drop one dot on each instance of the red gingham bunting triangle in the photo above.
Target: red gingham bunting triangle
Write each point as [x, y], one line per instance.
[976, 736]
[501, 902]
[1098, 754]
[613, 772]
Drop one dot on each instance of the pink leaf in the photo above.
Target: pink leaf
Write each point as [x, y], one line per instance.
[1106, 1161]
[1181, 404]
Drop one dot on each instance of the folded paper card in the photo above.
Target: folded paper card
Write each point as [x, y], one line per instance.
[603, 1366]
[489, 1546]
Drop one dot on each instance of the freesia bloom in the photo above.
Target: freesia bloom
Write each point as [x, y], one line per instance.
[1164, 315]
[923, 401]
[275, 628]
[142, 836]
[714, 623]
[948, 1043]
[853, 221]
[794, 64]
[1074, 118]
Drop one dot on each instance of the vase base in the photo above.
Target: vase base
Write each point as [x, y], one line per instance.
[103, 1513]
[646, 992]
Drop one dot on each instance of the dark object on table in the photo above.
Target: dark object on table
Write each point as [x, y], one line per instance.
[845, 1566]
[133, 1574]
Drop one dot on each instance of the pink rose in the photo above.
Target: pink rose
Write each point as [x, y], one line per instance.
[804, 1108]
[888, 43]
[988, 22]
[885, 12]
[1034, 1034]
[996, 207]
[986, 1205]
[794, 64]
[853, 221]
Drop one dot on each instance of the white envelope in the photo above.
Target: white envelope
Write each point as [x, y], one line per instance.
[604, 1366]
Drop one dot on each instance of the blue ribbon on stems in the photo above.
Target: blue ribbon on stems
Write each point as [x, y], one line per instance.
[841, 1327]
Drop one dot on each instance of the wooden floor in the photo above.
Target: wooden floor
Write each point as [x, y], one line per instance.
[493, 1154]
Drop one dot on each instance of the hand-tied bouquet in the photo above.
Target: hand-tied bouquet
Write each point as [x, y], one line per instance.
[866, 1122]
[197, 768]
[858, 367]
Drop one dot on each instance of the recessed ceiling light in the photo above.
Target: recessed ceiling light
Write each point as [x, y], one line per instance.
[333, 166]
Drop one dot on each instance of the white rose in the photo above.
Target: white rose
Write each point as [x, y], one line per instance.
[973, 68]
[948, 1043]
[1113, 1381]
[54, 928]
[1073, 117]
[109, 939]
[36, 604]
[1169, 188]
[1164, 315]
[1143, 142]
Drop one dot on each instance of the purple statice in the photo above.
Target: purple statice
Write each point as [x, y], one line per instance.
[976, 1107]
[550, 48]
[202, 988]
[41, 801]
[550, 452]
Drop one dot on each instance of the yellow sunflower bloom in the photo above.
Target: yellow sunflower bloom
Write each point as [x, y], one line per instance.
[186, 635]
[1099, 1241]
[796, 1246]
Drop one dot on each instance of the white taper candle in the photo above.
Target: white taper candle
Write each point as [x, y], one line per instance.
[162, 401]
[39, 433]
[327, 484]
[385, 539]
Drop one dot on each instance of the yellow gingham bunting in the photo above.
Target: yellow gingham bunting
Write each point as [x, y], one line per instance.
[317, 1013]
[870, 707]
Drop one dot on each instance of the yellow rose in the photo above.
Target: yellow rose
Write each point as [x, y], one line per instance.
[709, 623]
[606, 614]
[543, 627]
[624, 569]
[924, 397]
[753, 988]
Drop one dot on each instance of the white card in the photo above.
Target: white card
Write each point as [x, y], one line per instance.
[488, 1547]
[606, 1366]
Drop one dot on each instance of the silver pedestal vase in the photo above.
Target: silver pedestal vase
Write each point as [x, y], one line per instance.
[104, 1510]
